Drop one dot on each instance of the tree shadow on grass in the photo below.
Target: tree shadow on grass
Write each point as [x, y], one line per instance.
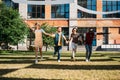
[12, 78]
[16, 57]
[75, 67]
[18, 60]
[5, 71]
[28, 60]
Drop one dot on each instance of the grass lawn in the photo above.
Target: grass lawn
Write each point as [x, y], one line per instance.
[20, 66]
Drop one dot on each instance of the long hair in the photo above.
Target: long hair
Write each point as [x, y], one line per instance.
[36, 24]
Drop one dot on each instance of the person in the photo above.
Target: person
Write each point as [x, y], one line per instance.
[58, 42]
[88, 43]
[75, 38]
[38, 42]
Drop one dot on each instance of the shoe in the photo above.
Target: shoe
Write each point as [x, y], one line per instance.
[58, 60]
[36, 61]
[73, 58]
[87, 60]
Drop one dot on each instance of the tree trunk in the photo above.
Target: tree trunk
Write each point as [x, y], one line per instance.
[46, 47]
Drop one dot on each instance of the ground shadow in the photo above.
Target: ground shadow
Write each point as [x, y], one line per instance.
[18, 60]
[11, 78]
[5, 71]
[26, 60]
[16, 57]
[75, 67]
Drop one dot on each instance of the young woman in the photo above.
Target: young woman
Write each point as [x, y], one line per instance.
[74, 37]
[38, 40]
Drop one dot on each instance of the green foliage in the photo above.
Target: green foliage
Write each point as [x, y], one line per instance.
[49, 29]
[12, 27]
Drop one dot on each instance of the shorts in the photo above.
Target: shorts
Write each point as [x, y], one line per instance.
[74, 45]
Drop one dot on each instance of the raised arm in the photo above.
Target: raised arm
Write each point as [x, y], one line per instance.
[30, 25]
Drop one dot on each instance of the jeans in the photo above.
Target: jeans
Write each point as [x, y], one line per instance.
[57, 49]
[88, 51]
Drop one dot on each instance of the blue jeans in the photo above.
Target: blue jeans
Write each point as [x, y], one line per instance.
[88, 51]
[57, 49]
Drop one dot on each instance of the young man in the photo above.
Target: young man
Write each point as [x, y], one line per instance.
[58, 42]
[88, 43]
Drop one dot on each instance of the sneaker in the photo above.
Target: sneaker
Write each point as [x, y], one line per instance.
[73, 58]
[87, 60]
[36, 61]
[58, 60]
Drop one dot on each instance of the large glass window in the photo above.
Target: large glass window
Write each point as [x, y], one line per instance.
[60, 11]
[105, 35]
[111, 6]
[89, 4]
[9, 3]
[36, 11]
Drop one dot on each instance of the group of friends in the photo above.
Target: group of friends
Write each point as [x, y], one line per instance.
[58, 42]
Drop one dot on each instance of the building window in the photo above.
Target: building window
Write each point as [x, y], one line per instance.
[60, 11]
[89, 4]
[10, 3]
[111, 6]
[36, 11]
[16, 6]
[105, 35]
[119, 31]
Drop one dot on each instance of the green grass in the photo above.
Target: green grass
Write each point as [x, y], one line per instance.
[19, 65]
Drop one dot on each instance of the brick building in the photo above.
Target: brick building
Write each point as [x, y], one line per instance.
[68, 15]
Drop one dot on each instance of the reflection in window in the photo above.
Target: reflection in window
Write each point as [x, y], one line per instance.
[8, 3]
[111, 6]
[60, 11]
[89, 4]
[36, 11]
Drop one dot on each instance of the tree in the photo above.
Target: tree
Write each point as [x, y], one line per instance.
[48, 40]
[12, 27]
